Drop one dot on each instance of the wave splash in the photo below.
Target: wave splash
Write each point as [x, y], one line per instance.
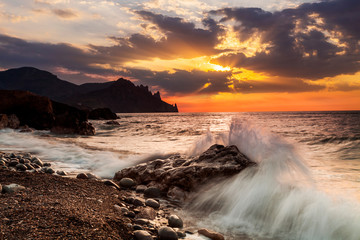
[277, 198]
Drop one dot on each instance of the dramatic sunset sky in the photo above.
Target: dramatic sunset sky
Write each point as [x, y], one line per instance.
[213, 55]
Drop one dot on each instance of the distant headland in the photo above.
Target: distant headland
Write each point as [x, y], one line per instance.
[120, 96]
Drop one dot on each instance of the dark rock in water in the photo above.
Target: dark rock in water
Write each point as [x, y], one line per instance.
[10, 121]
[113, 123]
[167, 233]
[43, 114]
[25, 129]
[142, 235]
[47, 164]
[127, 182]
[102, 114]
[152, 203]
[177, 176]
[152, 192]
[175, 222]
[210, 234]
[82, 176]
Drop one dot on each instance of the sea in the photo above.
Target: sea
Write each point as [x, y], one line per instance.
[306, 184]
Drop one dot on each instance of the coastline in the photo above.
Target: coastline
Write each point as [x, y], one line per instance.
[51, 206]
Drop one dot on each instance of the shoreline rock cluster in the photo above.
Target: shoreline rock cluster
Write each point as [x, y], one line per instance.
[176, 176]
[146, 212]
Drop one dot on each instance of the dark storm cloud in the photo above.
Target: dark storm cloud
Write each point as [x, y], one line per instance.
[184, 82]
[294, 50]
[286, 85]
[182, 39]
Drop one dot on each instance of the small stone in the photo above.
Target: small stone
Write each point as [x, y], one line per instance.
[47, 164]
[24, 160]
[49, 170]
[152, 192]
[91, 176]
[29, 166]
[138, 201]
[141, 221]
[167, 233]
[35, 165]
[175, 221]
[210, 234]
[147, 213]
[142, 235]
[152, 203]
[21, 167]
[181, 234]
[13, 163]
[61, 173]
[111, 183]
[138, 227]
[140, 188]
[82, 176]
[13, 188]
[130, 214]
[2, 163]
[37, 161]
[127, 183]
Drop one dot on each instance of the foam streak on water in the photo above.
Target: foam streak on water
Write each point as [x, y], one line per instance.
[276, 199]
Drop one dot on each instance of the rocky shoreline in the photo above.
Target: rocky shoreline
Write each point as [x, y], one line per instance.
[38, 202]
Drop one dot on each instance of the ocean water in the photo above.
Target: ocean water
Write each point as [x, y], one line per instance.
[306, 184]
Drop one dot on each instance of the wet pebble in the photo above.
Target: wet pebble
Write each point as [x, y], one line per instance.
[152, 192]
[127, 183]
[152, 203]
[175, 221]
[142, 235]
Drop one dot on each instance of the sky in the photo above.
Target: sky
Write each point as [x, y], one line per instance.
[206, 56]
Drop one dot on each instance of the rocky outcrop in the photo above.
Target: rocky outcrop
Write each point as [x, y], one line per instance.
[177, 176]
[102, 114]
[43, 114]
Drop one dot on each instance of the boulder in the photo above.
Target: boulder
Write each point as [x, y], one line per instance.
[178, 176]
[13, 121]
[21, 167]
[102, 114]
[167, 233]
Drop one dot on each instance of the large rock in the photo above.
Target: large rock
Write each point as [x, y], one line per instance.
[43, 114]
[102, 114]
[177, 173]
[13, 188]
[142, 235]
[167, 233]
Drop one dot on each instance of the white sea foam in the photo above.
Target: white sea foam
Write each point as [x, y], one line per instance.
[65, 154]
[276, 199]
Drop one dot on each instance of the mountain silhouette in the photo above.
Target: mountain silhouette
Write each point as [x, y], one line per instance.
[120, 96]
